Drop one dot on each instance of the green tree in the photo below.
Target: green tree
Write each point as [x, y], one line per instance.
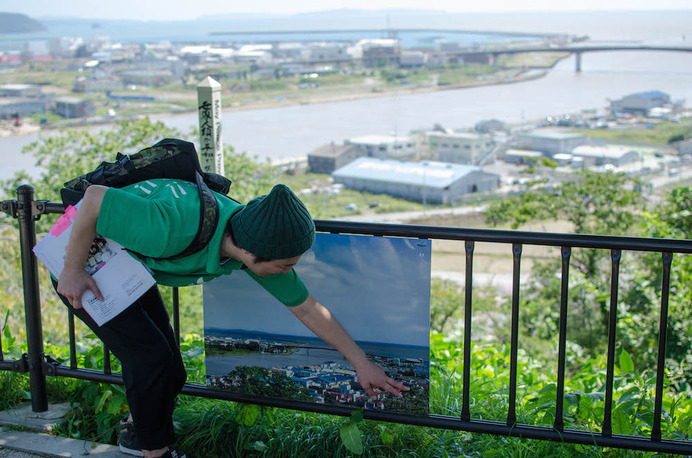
[73, 152]
[609, 204]
[593, 203]
[672, 219]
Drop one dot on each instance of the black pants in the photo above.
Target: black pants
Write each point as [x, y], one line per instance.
[142, 339]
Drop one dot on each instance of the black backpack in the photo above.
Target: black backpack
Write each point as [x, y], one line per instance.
[169, 158]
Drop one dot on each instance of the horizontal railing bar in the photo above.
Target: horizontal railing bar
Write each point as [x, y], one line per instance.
[92, 375]
[432, 421]
[53, 207]
[488, 235]
[17, 365]
[506, 236]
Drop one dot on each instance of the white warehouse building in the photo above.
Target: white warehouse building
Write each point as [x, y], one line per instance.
[427, 181]
[457, 147]
[551, 142]
[386, 146]
[598, 155]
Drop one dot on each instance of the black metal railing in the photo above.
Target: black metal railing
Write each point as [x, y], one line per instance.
[27, 211]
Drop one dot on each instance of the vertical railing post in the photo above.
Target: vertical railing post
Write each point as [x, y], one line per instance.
[667, 258]
[32, 304]
[559, 424]
[514, 345]
[73, 340]
[615, 256]
[106, 360]
[468, 313]
[176, 314]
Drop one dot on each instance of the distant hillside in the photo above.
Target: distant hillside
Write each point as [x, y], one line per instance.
[19, 23]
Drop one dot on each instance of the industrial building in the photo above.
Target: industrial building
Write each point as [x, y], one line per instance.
[73, 107]
[457, 147]
[685, 147]
[20, 90]
[21, 100]
[551, 142]
[426, 181]
[522, 157]
[387, 146]
[640, 103]
[328, 158]
[598, 155]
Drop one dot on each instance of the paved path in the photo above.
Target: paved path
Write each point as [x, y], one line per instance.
[7, 453]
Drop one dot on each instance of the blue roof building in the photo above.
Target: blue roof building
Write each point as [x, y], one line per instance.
[640, 102]
[426, 181]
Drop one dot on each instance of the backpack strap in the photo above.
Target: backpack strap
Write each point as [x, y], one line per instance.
[208, 221]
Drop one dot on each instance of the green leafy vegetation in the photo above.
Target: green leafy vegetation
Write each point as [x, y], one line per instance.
[464, 73]
[53, 73]
[662, 133]
[592, 203]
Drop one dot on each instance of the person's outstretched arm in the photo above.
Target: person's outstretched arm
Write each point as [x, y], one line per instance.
[74, 280]
[320, 321]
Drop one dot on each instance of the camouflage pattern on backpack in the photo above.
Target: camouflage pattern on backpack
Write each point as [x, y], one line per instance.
[169, 158]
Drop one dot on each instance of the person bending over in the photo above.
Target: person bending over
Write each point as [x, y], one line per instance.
[159, 218]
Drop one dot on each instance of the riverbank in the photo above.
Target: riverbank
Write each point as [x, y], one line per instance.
[8, 128]
[521, 76]
[510, 76]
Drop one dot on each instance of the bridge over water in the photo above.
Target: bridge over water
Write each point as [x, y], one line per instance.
[494, 53]
[576, 50]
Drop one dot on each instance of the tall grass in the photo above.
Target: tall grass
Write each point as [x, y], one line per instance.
[214, 428]
[211, 428]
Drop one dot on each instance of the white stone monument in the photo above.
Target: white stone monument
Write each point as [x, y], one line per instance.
[210, 139]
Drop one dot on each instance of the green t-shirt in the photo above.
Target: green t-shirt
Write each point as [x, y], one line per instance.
[160, 217]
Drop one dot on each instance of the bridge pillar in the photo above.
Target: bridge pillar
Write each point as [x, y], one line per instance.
[578, 62]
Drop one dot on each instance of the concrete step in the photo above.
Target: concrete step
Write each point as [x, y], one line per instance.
[27, 433]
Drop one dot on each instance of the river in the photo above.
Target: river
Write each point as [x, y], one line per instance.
[309, 356]
[287, 132]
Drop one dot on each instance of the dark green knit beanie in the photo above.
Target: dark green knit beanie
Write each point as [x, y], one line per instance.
[275, 226]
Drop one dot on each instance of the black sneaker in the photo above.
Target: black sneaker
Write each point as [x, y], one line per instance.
[173, 452]
[129, 442]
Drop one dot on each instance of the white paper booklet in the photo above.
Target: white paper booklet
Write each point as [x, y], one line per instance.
[120, 277]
